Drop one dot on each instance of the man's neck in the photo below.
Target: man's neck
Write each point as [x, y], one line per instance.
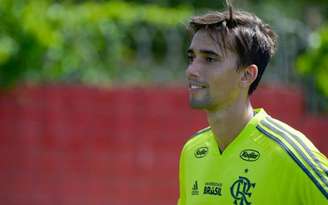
[227, 123]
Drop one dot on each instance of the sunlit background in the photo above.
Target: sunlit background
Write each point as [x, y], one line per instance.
[93, 106]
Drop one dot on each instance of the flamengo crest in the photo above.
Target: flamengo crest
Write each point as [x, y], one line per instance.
[241, 191]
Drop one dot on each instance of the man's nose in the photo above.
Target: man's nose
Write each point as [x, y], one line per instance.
[193, 70]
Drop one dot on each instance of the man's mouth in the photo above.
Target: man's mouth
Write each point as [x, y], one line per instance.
[197, 85]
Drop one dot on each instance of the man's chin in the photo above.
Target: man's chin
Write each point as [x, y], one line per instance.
[198, 105]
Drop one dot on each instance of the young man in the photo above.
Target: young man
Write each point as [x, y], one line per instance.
[244, 156]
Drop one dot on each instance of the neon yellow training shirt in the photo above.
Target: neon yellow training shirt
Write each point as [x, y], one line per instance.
[267, 163]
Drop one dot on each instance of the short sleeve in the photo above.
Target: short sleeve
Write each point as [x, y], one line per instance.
[315, 188]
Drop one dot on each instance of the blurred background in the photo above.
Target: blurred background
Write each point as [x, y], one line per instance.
[93, 105]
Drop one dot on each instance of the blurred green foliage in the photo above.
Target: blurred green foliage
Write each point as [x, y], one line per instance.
[46, 41]
[314, 62]
[95, 42]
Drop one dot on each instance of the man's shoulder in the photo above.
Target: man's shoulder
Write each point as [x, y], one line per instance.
[198, 139]
[298, 151]
[284, 135]
[284, 142]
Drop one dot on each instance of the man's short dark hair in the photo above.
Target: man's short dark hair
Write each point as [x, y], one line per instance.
[240, 32]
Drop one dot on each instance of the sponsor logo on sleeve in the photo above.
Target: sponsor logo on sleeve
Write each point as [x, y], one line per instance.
[250, 155]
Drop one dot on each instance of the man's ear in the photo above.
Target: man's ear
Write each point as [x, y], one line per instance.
[248, 75]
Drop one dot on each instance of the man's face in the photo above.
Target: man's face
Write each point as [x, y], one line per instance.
[212, 74]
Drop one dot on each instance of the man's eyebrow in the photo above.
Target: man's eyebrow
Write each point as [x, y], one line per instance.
[209, 52]
[204, 51]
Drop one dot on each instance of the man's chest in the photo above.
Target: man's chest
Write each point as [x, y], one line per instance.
[244, 177]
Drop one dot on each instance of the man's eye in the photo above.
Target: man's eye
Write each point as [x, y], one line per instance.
[210, 60]
[190, 58]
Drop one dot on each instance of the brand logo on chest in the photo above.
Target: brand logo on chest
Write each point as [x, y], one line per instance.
[201, 152]
[250, 155]
[195, 190]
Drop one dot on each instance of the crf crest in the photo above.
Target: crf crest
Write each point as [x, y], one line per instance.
[241, 191]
